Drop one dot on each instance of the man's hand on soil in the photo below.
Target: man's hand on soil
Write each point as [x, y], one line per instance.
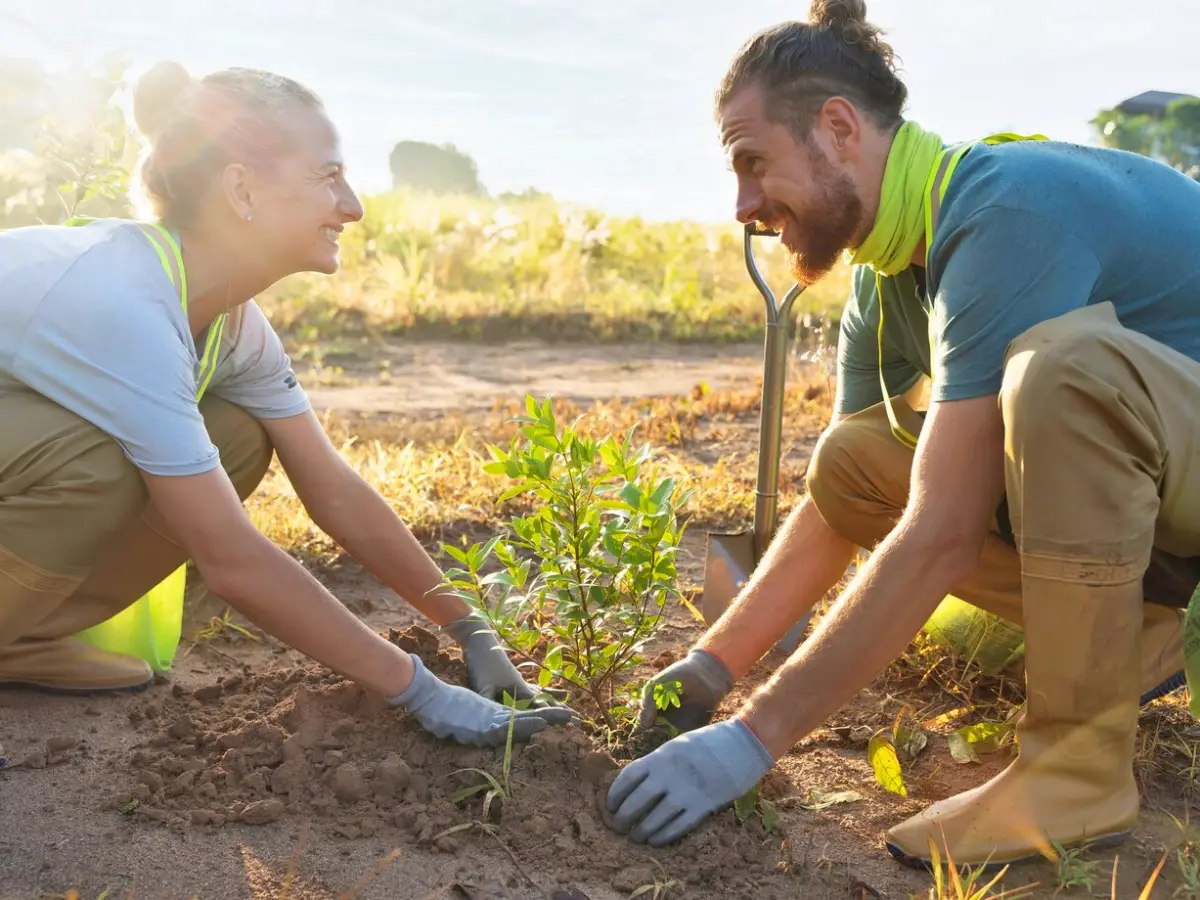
[704, 681]
[666, 794]
[446, 710]
[490, 672]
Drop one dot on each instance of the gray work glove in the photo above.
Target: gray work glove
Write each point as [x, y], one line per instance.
[667, 793]
[704, 682]
[446, 710]
[489, 670]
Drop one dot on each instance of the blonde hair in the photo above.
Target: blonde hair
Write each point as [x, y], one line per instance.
[193, 128]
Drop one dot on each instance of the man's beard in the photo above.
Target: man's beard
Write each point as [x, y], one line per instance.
[831, 223]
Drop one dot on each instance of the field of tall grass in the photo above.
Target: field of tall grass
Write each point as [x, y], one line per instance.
[489, 269]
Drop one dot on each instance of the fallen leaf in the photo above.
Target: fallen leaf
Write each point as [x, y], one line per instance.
[882, 756]
[821, 800]
[961, 749]
[985, 737]
[910, 741]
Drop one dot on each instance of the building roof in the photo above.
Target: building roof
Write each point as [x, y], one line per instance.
[1152, 103]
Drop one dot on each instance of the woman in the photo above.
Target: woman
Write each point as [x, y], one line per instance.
[113, 472]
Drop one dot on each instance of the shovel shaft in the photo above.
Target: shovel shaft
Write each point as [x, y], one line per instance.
[770, 429]
[770, 435]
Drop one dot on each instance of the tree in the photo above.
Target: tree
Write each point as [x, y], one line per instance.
[439, 169]
[1173, 136]
[72, 159]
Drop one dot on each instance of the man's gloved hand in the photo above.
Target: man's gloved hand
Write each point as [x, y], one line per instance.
[667, 793]
[446, 710]
[704, 681]
[489, 670]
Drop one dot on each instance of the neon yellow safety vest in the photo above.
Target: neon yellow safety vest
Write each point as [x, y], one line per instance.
[178, 278]
[150, 627]
[935, 193]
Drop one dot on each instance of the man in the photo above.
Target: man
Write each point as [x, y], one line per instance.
[1052, 294]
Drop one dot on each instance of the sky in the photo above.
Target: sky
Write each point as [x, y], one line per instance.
[609, 104]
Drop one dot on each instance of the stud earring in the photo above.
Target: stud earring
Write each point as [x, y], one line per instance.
[247, 217]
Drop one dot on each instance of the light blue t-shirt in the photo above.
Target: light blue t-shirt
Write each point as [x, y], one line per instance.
[89, 319]
[1029, 231]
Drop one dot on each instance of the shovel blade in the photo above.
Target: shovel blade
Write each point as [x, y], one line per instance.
[729, 561]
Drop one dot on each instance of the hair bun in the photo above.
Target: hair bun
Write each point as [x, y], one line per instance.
[848, 18]
[157, 94]
[838, 13]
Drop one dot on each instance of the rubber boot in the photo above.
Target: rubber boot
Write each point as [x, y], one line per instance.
[1072, 781]
[1162, 652]
[69, 666]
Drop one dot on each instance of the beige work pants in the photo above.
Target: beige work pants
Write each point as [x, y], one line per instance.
[1103, 468]
[79, 539]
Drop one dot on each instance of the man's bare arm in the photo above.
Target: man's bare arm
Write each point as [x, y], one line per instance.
[957, 481]
[805, 559]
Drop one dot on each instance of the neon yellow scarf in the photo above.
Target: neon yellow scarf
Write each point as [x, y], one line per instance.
[900, 222]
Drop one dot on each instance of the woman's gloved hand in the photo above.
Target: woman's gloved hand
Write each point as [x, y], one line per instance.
[449, 711]
[490, 672]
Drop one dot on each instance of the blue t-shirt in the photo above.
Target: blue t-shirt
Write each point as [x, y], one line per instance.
[1029, 231]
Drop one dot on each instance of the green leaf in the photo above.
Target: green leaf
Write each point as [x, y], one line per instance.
[632, 495]
[770, 816]
[457, 554]
[882, 756]
[744, 805]
[516, 490]
[501, 577]
[662, 492]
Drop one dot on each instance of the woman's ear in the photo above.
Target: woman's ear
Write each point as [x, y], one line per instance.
[236, 189]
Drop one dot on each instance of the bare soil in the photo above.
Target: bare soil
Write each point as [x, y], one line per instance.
[251, 772]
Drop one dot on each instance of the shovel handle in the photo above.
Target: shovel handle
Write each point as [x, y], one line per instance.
[770, 432]
[776, 312]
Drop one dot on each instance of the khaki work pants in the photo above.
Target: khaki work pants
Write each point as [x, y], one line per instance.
[1103, 468]
[79, 540]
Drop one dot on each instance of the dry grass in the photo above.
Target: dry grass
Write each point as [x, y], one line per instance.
[480, 269]
[431, 468]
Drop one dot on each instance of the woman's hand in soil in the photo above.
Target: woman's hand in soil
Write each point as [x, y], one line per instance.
[667, 793]
[490, 672]
[703, 682]
[446, 710]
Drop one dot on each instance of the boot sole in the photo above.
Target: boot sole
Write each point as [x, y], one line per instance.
[1174, 683]
[1107, 842]
[73, 691]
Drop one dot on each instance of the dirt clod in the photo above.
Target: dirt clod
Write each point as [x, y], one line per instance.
[349, 786]
[36, 759]
[60, 743]
[392, 776]
[632, 878]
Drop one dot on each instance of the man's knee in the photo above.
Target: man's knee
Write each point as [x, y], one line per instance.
[246, 450]
[858, 476]
[1057, 365]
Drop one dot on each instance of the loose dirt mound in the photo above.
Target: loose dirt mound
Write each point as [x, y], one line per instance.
[306, 745]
